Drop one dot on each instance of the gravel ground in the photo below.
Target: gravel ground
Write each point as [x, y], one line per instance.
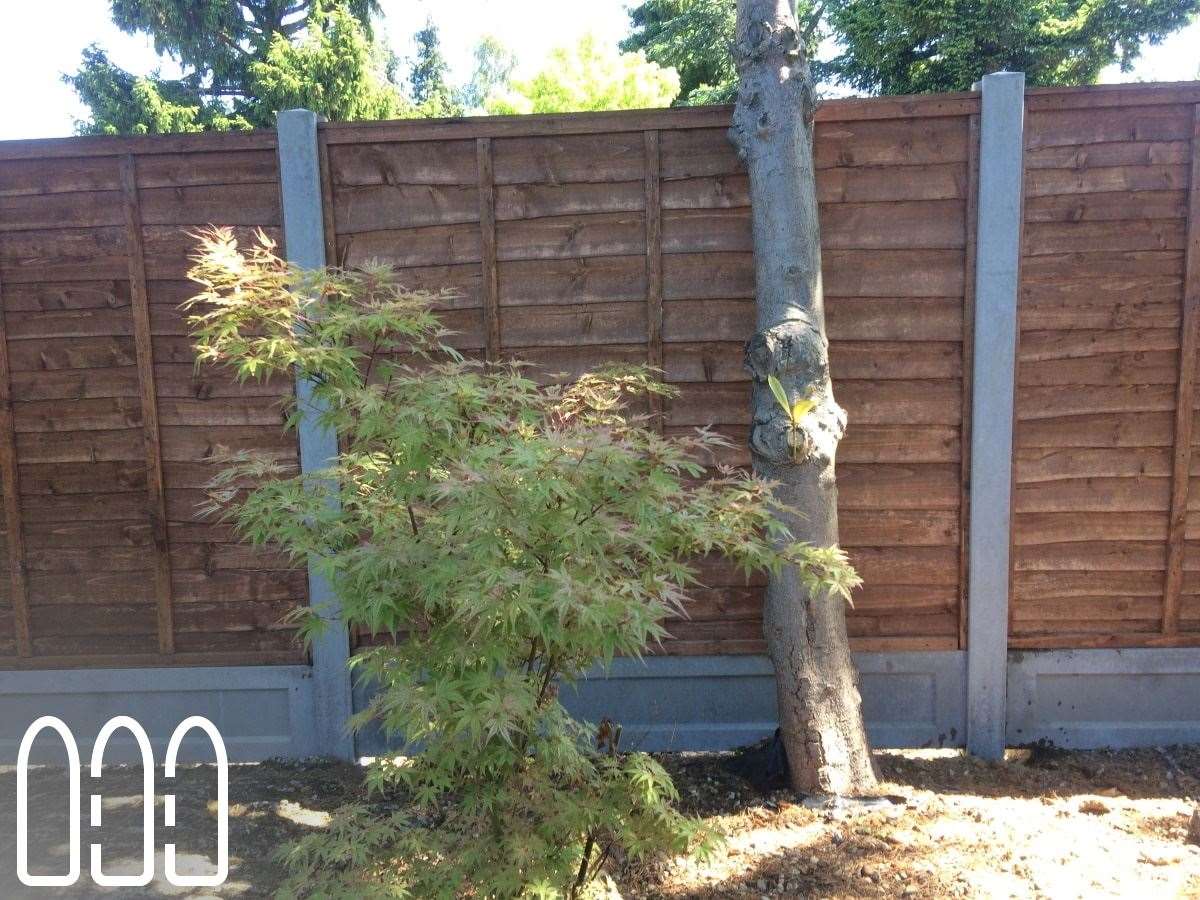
[1041, 824]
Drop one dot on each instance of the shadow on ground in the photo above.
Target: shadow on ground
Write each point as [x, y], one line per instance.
[270, 804]
[1042, 823]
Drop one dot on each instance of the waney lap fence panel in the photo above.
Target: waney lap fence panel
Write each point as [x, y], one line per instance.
[107, 431]
[1106, 536]
[576, 240]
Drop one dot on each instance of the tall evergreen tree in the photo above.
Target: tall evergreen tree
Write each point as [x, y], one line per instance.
[693, 37]
[899, 47]
[241, 60]
[430, 91]
[915, 46]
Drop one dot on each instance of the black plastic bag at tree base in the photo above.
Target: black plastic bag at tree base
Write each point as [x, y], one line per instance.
[764, 765]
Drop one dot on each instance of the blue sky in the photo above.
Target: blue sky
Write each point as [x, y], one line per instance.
[42, 39]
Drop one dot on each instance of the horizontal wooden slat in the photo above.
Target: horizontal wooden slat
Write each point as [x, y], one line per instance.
[708, 275]
[57, 479]
[1049, 238]
[893, 273]
[383, 207]
[1059, 345]
[593, 323]
[891, 142]
[1094, 494]
[34, 177]
[84, 254]
[1040, 268]
[1072, 127]
[1127, 180]
[935, 181]
[231, 618]
[1101, 304]
[100, 414]
[112, 145]
[1039, 465]
[255, 205]
[436, 245]
[594, 279]
[87, 620]
[918, 486]
[446, 162]
[1064, 527]
[556, 159]
[1045, 586]
[1151, 429]
[222, 168]
[1107, 95]
[1076, 635]
[915, 565]
[238, 204]
[570, 237]
[1146, 367]
[84, 209]
[195, 443]
[1091, 556]
[898, 527]
[1033, 616]
[1099, 156]
[1117, 205]
[278, 644]
[46, 296]
[97, 589]
[1038, 402]
[234, 587]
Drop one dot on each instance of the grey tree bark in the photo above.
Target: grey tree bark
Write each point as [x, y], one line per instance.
[820, 710]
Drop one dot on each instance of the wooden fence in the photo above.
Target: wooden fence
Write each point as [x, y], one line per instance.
[631, 240]
[1105, 550]
[106, 428]
[577, 239]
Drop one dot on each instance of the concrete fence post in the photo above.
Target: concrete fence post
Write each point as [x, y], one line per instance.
[997, 267]
[304, 240]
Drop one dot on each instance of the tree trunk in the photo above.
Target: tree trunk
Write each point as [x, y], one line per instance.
[820, 710]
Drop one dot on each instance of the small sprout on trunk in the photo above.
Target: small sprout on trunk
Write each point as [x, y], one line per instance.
[795, 410]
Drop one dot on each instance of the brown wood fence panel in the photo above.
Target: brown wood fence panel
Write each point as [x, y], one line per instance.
[632, 242]
[107, 430]
[573, 240]
[1106, 549]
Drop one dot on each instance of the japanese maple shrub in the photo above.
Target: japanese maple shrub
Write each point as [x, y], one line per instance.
[509, 535]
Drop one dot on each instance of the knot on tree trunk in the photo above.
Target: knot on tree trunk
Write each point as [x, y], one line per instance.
[793, 350]
[769, 53]
[764, 37]
[795, 353]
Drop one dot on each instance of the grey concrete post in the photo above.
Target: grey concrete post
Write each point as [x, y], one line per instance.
[997, 267]
[304, 239]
